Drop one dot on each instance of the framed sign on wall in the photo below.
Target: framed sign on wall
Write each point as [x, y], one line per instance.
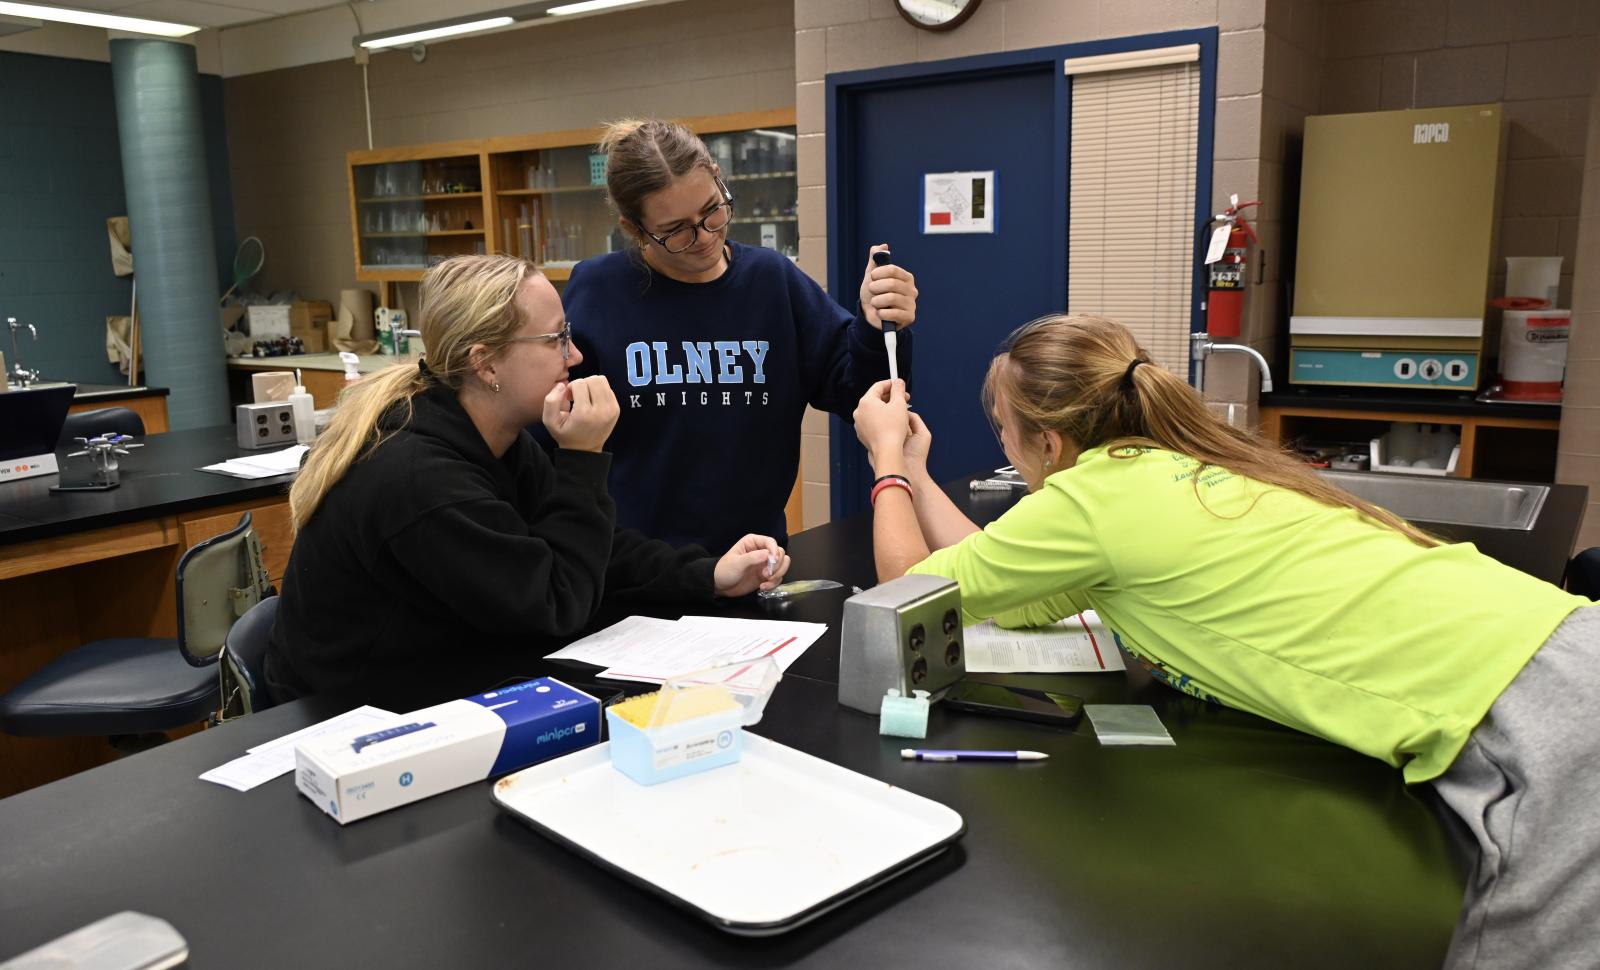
[958, 202]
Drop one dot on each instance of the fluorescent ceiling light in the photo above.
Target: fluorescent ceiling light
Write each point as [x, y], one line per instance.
[780, 135]
[434, 33]
[584, 6]
[488, 20]
[87, 18]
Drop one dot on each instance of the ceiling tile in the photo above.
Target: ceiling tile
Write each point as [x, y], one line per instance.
[193, 12]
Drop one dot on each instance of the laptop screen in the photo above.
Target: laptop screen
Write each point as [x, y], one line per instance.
[31, 420]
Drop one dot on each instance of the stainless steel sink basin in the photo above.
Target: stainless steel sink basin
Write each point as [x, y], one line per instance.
[1448, 501]
[36, 386]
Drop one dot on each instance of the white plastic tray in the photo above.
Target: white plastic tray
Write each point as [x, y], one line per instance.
[756, 848]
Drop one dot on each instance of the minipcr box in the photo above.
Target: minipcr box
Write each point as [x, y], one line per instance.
[443, 747]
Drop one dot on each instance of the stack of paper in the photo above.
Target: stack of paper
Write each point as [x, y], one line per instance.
[268, 760]
[1076, 644]
[285, 462]
[650, 650]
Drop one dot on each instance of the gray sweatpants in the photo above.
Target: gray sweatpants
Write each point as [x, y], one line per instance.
[1528, 786]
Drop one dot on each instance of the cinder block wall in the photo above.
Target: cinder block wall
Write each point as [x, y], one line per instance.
[1278, 62]
[1541, 58]
[847, 35]
[1578, 459]
[289, 129]
[1538, 57]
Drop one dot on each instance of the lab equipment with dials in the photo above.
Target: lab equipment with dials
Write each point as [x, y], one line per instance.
[1399, 212]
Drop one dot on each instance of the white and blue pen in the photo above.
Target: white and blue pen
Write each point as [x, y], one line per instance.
[935, 754]
[890, 340]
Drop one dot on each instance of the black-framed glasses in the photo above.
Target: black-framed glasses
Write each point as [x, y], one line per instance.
[678, 240]
[562, 337]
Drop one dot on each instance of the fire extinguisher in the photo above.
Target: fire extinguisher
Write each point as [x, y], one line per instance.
[1225, 299]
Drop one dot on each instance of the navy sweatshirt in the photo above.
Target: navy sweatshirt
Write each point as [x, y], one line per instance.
[431, 552]
[713, 379]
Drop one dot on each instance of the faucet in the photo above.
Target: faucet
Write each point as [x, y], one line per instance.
[1201, 346]
[20, 375]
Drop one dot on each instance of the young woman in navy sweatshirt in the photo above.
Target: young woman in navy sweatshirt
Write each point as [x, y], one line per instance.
[714, 349]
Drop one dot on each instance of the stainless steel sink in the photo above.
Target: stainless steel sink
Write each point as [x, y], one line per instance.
[36, 386]
[1448, 501]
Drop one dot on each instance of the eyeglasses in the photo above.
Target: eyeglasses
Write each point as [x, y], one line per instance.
[562, 337]
[680, 239]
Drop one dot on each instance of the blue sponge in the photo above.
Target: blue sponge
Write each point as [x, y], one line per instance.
[904, 717]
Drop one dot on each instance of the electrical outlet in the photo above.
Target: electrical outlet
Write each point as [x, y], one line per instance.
[265, 424]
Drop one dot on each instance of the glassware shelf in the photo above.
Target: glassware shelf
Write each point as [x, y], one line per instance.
[379, 199]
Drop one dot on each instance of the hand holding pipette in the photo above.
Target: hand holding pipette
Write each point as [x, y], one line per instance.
[888, 300]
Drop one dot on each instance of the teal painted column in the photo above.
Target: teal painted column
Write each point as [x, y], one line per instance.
[157, 87]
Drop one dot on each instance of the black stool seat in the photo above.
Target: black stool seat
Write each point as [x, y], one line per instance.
[150, 685]
[125, 685]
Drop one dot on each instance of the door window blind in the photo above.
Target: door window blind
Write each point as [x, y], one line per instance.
[1135, 119]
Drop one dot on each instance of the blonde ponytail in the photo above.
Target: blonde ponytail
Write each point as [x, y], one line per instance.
[465, 301]
[351, 431]
[1071, 375]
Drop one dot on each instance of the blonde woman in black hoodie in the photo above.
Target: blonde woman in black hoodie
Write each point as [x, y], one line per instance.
[430, 528]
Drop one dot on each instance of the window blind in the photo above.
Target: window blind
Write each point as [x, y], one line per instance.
[1135, 119]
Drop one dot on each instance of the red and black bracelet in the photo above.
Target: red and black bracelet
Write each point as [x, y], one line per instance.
[890, 481]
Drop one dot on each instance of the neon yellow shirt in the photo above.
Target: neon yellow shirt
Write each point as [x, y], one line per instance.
[1266, 600]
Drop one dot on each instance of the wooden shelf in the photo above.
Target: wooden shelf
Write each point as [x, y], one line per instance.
[392, 274]
[559, 190]
[419, 235]
[759, 175]
[421, 198]
[1282, 423]
[500, 171]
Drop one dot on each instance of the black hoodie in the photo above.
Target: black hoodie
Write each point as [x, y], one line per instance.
[431, 551]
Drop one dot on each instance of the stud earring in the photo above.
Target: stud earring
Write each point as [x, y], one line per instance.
[494, 386]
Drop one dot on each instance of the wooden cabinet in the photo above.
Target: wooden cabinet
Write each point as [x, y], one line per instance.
[152, 410]
[272, 523]
[1493, 445]
[119, 581]
[411, 207]
[542, 196]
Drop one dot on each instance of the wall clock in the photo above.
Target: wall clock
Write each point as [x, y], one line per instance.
[936, 14]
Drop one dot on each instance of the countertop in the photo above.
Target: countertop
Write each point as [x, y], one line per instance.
[117, 392]
[1543, 550]
[1422, 402]
[99, 392]
[369, 362]
[1245, 845]
[158, 479]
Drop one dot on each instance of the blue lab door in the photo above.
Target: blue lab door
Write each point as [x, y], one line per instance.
[973, 289]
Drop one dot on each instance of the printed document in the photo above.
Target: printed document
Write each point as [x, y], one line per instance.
[285, 462]
[1077, 644]
[270, 759]
[651, 650]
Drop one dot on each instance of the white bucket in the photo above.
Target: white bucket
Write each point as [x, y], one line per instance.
[1533, 353]
[1534, 276]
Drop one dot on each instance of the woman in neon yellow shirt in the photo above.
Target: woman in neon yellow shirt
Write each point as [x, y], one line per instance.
[1239, 575]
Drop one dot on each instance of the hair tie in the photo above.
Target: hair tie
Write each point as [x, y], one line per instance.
[422, 368]
[1127, 375]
